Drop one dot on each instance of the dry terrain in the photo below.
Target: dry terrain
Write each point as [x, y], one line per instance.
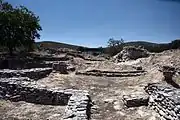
[105, 92]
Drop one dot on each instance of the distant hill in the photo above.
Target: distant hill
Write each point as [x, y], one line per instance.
[141, 43]
[152, 47]
[56, 45]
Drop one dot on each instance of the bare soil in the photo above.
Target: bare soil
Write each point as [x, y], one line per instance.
[106, 92]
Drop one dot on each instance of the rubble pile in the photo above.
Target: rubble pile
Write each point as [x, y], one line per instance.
[131, 53]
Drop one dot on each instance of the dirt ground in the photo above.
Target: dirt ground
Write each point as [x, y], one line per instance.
[106, 92]
[29, 111]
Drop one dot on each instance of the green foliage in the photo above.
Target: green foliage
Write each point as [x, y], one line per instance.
[18, 27]
[114, 46]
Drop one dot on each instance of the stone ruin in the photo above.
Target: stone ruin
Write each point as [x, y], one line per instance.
[32, 61]
[135, 100]
[111, 73]
[60, 67]
[130, 53]
[168, 73]
[34, 73]
[19, 84]
[165, 99]
[78, 107]
[24, 89]
[162, 97]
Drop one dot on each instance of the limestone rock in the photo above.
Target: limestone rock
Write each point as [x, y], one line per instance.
[60, 67]
[135, 100]
[131, 53]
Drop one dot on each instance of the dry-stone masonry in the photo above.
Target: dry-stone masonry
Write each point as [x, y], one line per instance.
[165, 99]
[135, 100]
[24, 89]
[34, 73]
[78, 107]
[112, 73]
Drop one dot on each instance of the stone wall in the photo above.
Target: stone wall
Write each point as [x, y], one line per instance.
[168, 73]
[34, 73]
[24, 89]
[78, 107]
[112, 73]
[32, 61]
[165, 99]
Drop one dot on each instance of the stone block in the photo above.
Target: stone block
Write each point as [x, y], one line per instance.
[60, 67]
[136, 100]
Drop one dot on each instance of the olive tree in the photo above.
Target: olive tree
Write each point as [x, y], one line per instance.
[114, 46]
[19, 27]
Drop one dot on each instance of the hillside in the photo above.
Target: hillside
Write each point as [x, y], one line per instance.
[152, 47]
[55, 45]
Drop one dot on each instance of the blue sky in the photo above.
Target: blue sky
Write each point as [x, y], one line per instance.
[93, 22]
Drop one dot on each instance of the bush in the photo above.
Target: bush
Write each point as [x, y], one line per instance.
[114, 46]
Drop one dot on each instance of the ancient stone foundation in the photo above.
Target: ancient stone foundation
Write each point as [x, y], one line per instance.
[165, 99]
[112, 73]
[25, 89]
[34, 73]
[78, 107]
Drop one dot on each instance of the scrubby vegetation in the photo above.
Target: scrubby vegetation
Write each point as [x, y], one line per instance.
[115, 46]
